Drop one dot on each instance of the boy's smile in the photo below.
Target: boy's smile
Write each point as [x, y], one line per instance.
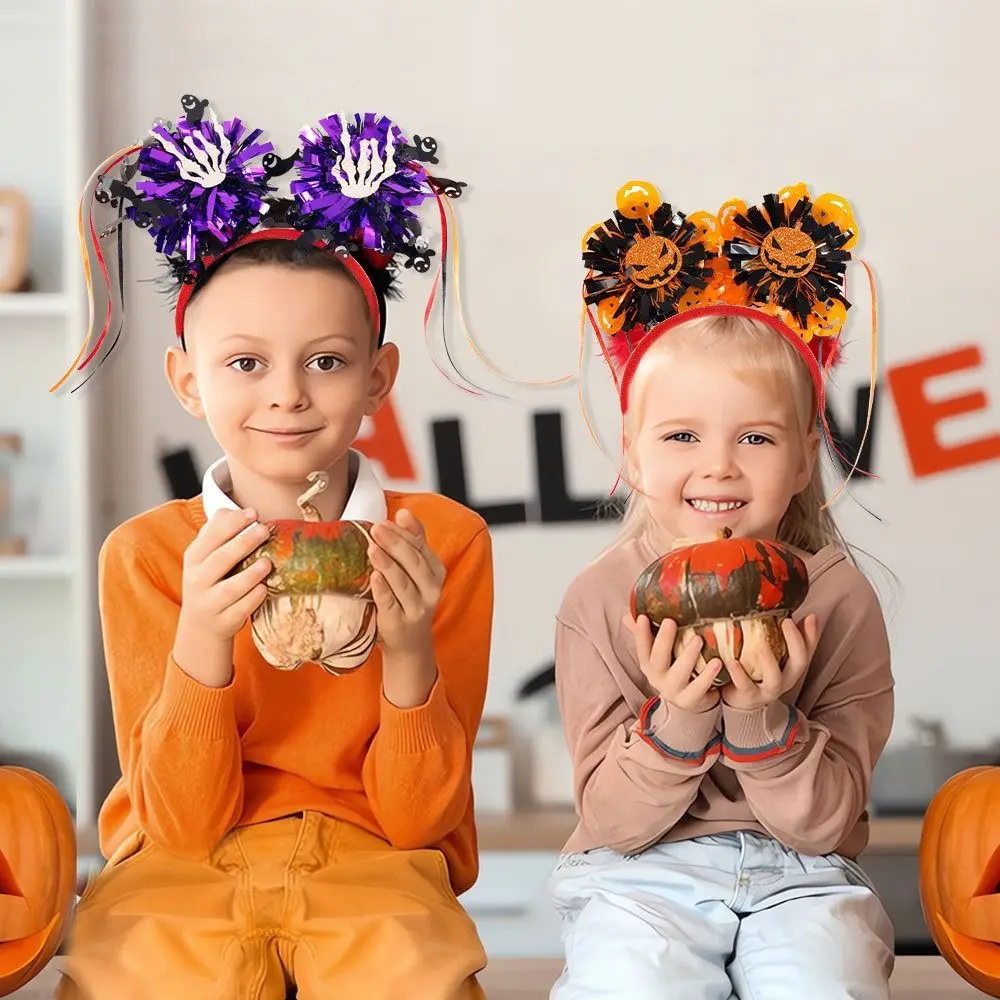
[282, 363]
[288, 436]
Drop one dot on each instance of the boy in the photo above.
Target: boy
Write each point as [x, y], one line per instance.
[278, 829]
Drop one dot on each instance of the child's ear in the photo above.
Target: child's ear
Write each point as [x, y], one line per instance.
[630, 464]
[810, 458]
[180, 375]
[385, 368]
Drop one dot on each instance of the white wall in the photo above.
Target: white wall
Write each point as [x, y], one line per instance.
[545, 109]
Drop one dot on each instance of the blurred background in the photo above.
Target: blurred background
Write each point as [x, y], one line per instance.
[544, 109]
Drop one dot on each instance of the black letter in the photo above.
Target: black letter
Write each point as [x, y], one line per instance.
[450, 461]
[848, 444]
[555, 504]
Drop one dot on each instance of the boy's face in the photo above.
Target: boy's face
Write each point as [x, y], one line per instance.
[281, 363]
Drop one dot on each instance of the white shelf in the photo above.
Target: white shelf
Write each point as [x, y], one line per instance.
[36, 568]
[24, 304]
[48, 602]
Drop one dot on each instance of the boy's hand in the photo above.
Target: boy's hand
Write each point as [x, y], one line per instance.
[674, 680]
[214, 608]
[744, 693]
[407, 580]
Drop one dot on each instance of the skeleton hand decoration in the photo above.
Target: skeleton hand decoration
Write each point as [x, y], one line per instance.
[205, 163]
[363, 177]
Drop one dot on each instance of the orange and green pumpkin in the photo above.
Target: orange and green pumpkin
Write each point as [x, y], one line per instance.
[319, 607]
[732, 592]
[37, 875]
[309, 557]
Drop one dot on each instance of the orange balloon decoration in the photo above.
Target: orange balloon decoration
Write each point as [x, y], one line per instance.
[37, 875]
[596, 227]
[638, 200]
[606, 318]
[711, 232]
[727, 216]
[827, 319]
[833, 208]
[959, 862]
[790, 196]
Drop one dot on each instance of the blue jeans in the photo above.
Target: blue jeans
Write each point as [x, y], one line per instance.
[734, 915]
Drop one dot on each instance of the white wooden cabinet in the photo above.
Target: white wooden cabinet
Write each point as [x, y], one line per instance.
[511, 907]
[49, 639]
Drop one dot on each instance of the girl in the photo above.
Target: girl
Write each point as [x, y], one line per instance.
[719, 825]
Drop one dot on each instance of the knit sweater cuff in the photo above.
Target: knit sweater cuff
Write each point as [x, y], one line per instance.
[194, 708]
[757, 734]
[415, 730]
[688, 737]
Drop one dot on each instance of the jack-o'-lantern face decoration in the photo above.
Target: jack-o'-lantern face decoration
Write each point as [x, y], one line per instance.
[788, 253]
[645, 260]
[652, 262]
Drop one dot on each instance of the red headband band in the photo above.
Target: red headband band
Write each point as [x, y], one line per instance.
[748, 312]
[350, 263]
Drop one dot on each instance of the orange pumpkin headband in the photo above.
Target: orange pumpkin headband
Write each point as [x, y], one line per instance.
[783, 262]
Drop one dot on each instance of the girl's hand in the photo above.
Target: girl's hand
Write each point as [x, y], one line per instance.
[674, 679]
[744, 693]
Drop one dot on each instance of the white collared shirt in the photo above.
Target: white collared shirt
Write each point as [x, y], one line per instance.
[366, 501]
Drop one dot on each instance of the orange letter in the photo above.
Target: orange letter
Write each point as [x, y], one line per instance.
[919, 416]
[385, 444]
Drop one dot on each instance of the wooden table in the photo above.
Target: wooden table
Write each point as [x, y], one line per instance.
[915, 978]
[548, 830]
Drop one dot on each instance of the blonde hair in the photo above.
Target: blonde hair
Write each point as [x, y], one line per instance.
[746, 348]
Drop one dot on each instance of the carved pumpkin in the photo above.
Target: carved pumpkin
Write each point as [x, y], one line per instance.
[788, 253]
[37, 875]
[733, 592]
[960, 875]
[319, 607]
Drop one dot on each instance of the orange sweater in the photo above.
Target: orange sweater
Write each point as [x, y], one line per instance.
[197, 761]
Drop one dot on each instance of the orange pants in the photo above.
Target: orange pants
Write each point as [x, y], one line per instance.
[306, 900]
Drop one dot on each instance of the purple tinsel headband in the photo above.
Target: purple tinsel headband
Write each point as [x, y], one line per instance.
[203, 184]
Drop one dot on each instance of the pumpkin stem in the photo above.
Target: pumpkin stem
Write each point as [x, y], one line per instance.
[320, 481]
[683, 543]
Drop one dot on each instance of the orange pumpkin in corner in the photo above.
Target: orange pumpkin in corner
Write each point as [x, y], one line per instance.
[37, 875]
[960, 875]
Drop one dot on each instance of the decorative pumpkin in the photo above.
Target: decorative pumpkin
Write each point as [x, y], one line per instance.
[37, 875]
[733, 592]
[319, 607]
[959, 863]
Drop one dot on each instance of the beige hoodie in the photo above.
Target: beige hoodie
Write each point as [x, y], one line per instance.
[798, 770]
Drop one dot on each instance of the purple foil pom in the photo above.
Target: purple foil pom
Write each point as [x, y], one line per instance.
[353, 179]
[203, 185]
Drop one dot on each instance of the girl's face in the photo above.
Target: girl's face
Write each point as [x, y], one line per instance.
[713, 450]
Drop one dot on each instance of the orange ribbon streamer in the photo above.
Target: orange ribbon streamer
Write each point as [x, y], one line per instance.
[872, 379]
[88, 274]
